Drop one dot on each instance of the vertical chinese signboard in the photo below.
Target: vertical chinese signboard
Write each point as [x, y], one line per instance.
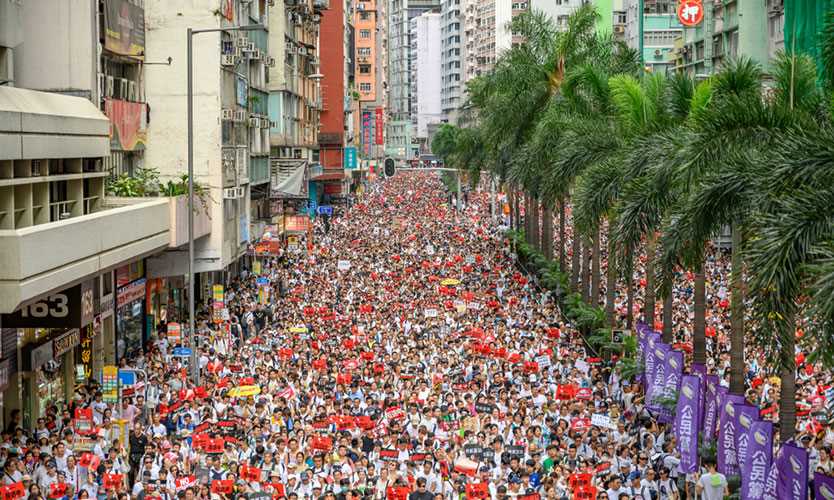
[219, 303]
[378, 124]
[366, 132]
[110, 384]
[84, 355]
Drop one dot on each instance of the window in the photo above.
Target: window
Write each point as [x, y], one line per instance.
[364, 16]
[364, 51]
[365, 69]
[364, 33]
[364, 87]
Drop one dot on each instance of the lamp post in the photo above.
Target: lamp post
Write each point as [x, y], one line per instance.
[195, 372]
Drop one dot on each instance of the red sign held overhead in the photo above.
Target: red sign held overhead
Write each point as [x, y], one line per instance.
[690, 12]
[378, 126]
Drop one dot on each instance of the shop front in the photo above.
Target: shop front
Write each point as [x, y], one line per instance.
[49, 361]
[165, 301]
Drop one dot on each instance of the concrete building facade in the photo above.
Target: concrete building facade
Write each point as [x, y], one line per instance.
[425, 75]
[398, 128]
[371, 76]
[729, 30]
[661, 29]
[452, 57]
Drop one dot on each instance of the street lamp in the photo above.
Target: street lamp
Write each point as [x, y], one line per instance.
[195, 372]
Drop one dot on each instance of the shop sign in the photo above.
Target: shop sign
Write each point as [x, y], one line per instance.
[128, 124]
[66, 342]
[70, 308]
[349, 159]
[174, 333]
[132, 292]
[690, 13]
[110, 384]
[378, 126]
[124, 28]
[106, 309]
[84, 357]
[41, 355]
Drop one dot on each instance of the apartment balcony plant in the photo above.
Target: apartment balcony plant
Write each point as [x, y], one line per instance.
[145, 183]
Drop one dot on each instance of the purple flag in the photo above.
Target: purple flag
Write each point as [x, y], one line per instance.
[743, 419]
[757, 464]
[700, 371]
[770, 484]
[686, 423]
[727, 457]
[823, 487]
[710, 408]
[672, 372]
[651, 340]
[792, 478]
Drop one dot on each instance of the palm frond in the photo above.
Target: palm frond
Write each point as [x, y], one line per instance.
[796, 82]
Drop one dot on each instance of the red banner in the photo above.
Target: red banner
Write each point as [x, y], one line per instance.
[127, 124]
[379, 123]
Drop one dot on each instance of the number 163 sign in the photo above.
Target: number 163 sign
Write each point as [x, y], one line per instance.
[690, 12]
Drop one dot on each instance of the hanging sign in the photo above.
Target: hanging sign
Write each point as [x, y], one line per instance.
[690, 13]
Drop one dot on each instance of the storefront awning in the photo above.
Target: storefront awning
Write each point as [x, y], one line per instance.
[330, 176]
[38, 125]
[288, 178]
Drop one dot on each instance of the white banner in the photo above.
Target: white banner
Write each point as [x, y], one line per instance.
[601, 420]
[343, 265]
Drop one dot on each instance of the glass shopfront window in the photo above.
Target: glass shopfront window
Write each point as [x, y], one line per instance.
[130, 319]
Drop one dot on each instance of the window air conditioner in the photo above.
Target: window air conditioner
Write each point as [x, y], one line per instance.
[273, 124]
[131, 91]
[241, 41]
[270, 61]
[227, 114]
[110, 84]
[229, 193]
[122, 88]
[228, 60]
[250, 47]
[240, 116]
[254, 121]
[241, 192]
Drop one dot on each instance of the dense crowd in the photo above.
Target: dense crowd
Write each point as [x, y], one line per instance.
[401, 355]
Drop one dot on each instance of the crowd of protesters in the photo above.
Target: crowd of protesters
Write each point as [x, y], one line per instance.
[400, 354]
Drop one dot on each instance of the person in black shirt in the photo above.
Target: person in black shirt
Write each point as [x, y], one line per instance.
[421, 493]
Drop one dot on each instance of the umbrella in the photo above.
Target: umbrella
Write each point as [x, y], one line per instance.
[450, 282]
[245, 391]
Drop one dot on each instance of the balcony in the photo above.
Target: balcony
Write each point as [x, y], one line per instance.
[321, 4]
[38, 259]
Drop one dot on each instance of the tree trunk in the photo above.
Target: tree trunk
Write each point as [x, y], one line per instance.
[510, 200]
[668, 303]
[528, 233]
[629, 277]
[595, 272]
[535, 235]
[737, 316]
[586, 269]
[547, 232]
[699, 339]
[563, 266]
[576, 260]
[611, 285]
[787, 396]
[649, 293]
[517, 211]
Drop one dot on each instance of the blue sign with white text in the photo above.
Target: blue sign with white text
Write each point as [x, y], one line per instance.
[349, 156]
[325, 210]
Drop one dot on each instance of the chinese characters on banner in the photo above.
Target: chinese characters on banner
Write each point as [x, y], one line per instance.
[366, 132]
[378, 125]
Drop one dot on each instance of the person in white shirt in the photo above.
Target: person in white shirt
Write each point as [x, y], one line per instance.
[615, 488]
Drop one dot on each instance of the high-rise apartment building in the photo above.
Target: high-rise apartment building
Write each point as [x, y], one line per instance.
[560, 10]
[425, 76]
[371, 76]
[729, 30]
[452, 57]
[487, 33]
[398, 129]
[339, 96]
[294, 103]
[661, 29]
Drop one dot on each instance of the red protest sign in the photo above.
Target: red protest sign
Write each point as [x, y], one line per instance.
[213, 445]
[585, 493]
[566, 391]
[579, 480]
[13, 491]
[397, 493]
[252, 474]
[113, 481]
[185, 482]
[57, 490]
[580, 424]
[477, 490]
[222, 486]
[83, 421]
[344, 378]
[321, 443]
[583, 393]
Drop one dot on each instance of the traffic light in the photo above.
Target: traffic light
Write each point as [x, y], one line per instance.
[390, 169]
